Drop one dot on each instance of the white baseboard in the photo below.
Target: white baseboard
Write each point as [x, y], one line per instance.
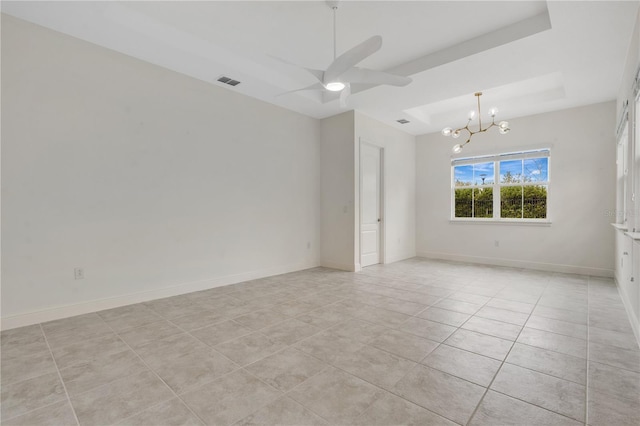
[354, 267]
[59, 312]
[398, 258]
[514, 263]
[633, 319]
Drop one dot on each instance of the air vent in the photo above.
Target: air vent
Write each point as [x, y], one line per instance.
[229, 81]
[403, 121]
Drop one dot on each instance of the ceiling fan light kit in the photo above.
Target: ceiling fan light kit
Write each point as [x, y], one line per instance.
[503, 126]
[335, 86]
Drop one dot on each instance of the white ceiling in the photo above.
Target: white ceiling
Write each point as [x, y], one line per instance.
[527, 57]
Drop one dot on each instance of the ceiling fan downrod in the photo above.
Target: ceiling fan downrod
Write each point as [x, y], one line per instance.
[334, 32]
[333, 4]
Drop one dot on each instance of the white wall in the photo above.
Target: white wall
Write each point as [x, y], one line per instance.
[337, 200]
[145, 178]
[340, 159]
[399, 186]
[579, 240]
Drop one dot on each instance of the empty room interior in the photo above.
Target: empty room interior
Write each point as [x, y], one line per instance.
[320, 213]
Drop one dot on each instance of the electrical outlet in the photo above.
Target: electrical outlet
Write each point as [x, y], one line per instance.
[78, 273]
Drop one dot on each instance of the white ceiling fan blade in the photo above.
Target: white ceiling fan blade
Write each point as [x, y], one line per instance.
[319, 74]
[367, 76]
[346, 92]
[314, 86]
[352, 57]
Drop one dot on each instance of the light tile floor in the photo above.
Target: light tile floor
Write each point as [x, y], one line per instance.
[414, 342]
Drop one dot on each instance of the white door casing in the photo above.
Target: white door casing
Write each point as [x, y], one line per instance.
[370, 204]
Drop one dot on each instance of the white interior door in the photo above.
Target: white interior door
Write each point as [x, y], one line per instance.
[370, 204]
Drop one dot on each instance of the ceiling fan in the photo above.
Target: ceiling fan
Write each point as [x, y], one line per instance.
[342, 72]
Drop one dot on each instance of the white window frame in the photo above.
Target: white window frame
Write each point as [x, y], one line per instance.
[622, 174]
[496, 185]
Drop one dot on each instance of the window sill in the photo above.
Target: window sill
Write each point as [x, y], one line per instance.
[500, 222]
[620, 226]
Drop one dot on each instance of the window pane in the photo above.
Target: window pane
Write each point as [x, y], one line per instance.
[464, 202]
[511, 171]
[483, 202]
[463, 175]
[511, 202]
[534, 202]
[483, 174]
[536, 170]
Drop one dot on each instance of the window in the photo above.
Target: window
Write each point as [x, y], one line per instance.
[504, 187]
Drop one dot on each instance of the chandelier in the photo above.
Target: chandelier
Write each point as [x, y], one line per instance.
[503, 126]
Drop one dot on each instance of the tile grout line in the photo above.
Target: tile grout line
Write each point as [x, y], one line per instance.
[417, 364]
[285, 394]
[159, 378]
[71, 366]
[502, 338]
[542, 372]
[586, 391]
[191, 335]
[40, 375]
[46, 340]
[505, 360]
[192, 388]
[331, 365]
[170, 321]
[234, 318]
[120, 422]
[35, 409]
[537, 406]
[439, 344]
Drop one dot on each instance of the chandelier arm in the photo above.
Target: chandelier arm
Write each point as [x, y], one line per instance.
[463, 128]
[490, 126]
